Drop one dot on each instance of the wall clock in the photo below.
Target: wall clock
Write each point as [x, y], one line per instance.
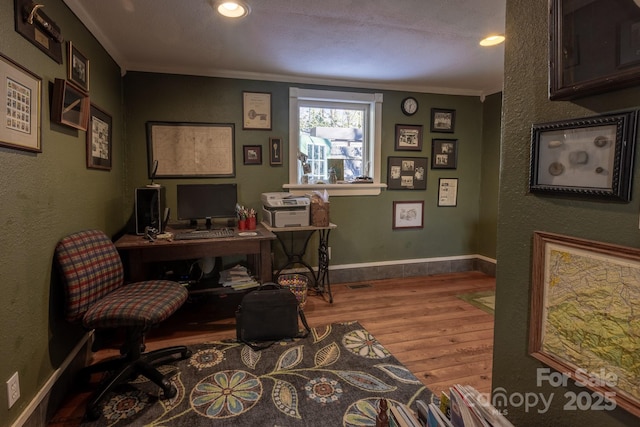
[409, 105]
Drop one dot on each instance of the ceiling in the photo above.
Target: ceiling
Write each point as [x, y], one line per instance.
[412, 45]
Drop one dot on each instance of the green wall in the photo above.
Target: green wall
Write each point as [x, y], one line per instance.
[45, 196]
[364, 231]
[48, 195]
[526, 102]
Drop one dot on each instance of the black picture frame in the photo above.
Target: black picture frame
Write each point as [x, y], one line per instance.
[408, 214]
[190, 150]
[252, 154]
[443, 120]
[589, 157]
[444, 153]
[407, 173]
[408, 138]
[99, 139]
[594, 47]
[70, 105]
[77, 67]
[275, 151]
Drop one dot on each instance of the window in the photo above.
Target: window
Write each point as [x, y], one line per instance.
[334, 138]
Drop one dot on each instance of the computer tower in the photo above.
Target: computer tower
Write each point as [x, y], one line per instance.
[149, 208]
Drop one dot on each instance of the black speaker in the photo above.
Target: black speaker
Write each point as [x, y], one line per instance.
[149, 209]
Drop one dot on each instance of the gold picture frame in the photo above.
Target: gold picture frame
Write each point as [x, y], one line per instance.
[583, 322]
[21, 128]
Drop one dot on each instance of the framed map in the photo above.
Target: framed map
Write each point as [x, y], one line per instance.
[584, 315]
[202, 150]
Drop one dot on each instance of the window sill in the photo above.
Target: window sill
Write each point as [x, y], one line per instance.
[347, 189]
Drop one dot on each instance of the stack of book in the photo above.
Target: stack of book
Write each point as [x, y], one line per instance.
[461, 407]
[238, 278]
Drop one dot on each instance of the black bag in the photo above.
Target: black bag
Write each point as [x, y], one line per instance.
[269, 313]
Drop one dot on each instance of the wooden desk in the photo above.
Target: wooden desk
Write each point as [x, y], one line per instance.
[141, 253]
[322, 283]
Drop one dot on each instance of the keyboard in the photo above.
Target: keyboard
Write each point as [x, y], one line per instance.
[204, 234]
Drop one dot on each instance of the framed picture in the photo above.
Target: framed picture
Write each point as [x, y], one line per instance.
[70, 105]
[444, 154]
[256, 110]
[448, 192]
[594, 47]
[275, 150]
[77, 67]
[252, 154]
[21, 127]
[198, 150]
[584, 294]
[99, 137]
[408, 137]
[443, 120]
[408, 214]
[584, 157]
[407, 173]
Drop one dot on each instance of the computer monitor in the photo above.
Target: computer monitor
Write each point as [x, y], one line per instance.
[206, 201]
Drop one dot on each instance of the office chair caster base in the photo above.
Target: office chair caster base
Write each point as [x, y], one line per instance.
[168, 389]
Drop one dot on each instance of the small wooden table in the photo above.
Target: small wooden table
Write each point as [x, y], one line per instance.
[141, 253]
[322, 283]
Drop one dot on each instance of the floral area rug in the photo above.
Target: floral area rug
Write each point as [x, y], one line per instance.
[334, 377]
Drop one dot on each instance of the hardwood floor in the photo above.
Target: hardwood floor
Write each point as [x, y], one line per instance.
[442, 339]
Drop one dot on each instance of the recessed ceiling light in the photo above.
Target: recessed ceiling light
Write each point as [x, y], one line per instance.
[492, 40]
[233, 9]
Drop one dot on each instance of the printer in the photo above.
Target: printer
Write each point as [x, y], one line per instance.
[282, 209]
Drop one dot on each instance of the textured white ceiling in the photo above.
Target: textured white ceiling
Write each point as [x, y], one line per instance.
[415, 45]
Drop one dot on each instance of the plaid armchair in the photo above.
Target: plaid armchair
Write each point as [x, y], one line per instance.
[96, 298]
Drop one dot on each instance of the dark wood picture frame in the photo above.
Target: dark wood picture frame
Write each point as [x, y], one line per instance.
[206, 150]
[23, 100]
[594, 47]
[443, 120]
[589, 157]
[275, 151]
[77, 67]
[407, 173]
[99, 139]
[70, 105]
[256, 110]
[34, 25]
[408, 138]
[252, 154]
[408, 214]
[583, 292]
[448, 192]
[444, 153]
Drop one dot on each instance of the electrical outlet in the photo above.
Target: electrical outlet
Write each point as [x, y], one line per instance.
[13, 389]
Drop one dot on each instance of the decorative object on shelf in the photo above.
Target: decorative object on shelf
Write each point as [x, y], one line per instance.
[70, 105]
[203, 150]
[408, 214]
[34, 25]
[444, 154]
[448, 192]
[584, 294]
[77, 68]
[252, 154]
[590, 156]
[407, 173]
[275, 148]
[256, 110]
[21, 129]
[408, 138]
[409, 106]
[99, 137]
[594, 47]
[443, 120]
